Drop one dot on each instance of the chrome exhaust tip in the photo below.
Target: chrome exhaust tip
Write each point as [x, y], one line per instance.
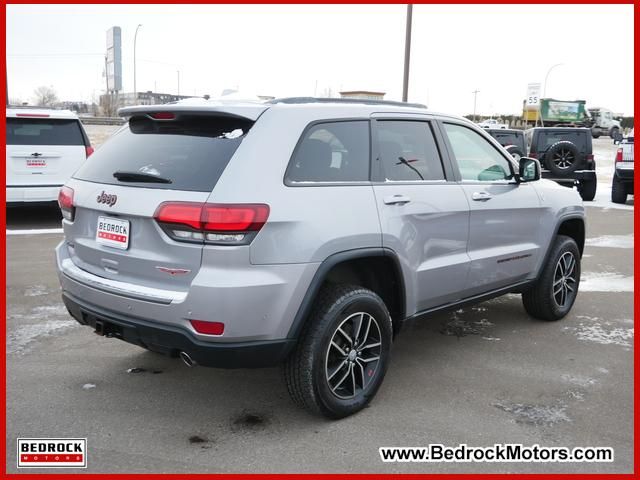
[188, 361]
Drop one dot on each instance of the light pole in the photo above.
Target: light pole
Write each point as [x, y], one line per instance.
[475, 96]
[407, 54]
[544, 91]
[135, 90]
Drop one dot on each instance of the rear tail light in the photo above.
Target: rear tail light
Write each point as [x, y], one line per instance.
[619, 155]
[208, 328]
[65, 200]
[589, 156]
[89, 150]
[221, 224]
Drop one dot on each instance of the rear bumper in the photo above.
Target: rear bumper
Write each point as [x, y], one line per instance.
[625, 174]
[171, 340]
[257, 303]
[32, 193]
[570, 180]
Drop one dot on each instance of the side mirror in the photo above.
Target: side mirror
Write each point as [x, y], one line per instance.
[529, 170]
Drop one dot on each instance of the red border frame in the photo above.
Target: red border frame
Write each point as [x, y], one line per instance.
[3, 336]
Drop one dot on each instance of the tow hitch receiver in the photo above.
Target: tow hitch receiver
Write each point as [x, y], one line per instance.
[107, 329]
[99, 328]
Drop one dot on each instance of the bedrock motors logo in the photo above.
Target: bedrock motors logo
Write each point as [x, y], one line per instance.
[52, 452]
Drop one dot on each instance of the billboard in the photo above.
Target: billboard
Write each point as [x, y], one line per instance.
[114, 59]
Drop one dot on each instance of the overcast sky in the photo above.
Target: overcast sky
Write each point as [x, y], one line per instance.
[289, 50]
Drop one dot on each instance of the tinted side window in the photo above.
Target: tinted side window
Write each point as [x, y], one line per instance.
[476, 157]
[408, 151]
[332, 152]
[38, 131]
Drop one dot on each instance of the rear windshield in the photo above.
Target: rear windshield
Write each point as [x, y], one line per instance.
[546, 139]
[186, 154]
[39, 131]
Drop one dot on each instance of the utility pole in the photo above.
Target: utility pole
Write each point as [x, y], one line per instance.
[475, 96]
[107, 97]
[407, 53]
[135, 89]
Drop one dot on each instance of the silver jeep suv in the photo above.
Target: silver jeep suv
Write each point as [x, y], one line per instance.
[305, 232]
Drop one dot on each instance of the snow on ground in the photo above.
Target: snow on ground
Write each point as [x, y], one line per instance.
[611, 241]
[605, 282]
[46, 320]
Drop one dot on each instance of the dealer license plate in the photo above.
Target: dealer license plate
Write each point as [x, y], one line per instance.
[113, 232]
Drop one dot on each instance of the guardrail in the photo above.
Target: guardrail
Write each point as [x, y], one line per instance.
[102, 120]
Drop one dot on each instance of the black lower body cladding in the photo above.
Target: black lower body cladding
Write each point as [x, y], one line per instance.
[173, 340]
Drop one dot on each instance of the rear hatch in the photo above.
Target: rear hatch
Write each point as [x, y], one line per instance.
[43, 151]
[158, 158]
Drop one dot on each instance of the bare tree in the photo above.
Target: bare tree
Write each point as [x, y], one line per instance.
[45, 96]
[15, 101]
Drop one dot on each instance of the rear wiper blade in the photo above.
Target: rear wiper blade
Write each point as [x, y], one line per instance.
[139, 177]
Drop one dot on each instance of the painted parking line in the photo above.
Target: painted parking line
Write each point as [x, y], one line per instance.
[35, 231]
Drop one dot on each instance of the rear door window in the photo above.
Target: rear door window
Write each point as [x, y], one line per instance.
[332, 152]
[408, 151]
[189, 153]
[39, 131]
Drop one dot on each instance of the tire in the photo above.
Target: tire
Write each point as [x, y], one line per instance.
[587, 190]
[515, 152]
[562, 158]
[595, 134]
[613, 132]
[618, 191]
[323, 374]
[539, 301]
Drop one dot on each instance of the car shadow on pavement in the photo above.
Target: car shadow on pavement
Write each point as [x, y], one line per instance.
[33, 217]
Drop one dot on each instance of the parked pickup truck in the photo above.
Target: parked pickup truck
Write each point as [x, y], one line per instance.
[622, 184]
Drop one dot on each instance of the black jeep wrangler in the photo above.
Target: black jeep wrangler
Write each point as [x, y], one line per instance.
[566, 156]
[512, 140]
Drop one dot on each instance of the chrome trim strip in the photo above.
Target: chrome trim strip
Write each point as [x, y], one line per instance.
[124, 289]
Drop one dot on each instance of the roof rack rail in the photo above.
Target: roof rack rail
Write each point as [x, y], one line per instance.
[362, 101]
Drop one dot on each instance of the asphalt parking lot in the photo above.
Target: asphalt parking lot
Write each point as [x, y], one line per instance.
[482, 375]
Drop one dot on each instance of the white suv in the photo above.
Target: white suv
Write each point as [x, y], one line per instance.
[44, 148]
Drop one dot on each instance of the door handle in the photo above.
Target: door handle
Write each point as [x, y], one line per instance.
[481, 196]
[396, 200]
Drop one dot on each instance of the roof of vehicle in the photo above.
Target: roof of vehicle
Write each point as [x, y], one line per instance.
[504, 130]
[252, 110]
[562, 129]
[34, 112]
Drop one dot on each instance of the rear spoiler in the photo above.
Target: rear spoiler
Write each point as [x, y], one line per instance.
[249, 111]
